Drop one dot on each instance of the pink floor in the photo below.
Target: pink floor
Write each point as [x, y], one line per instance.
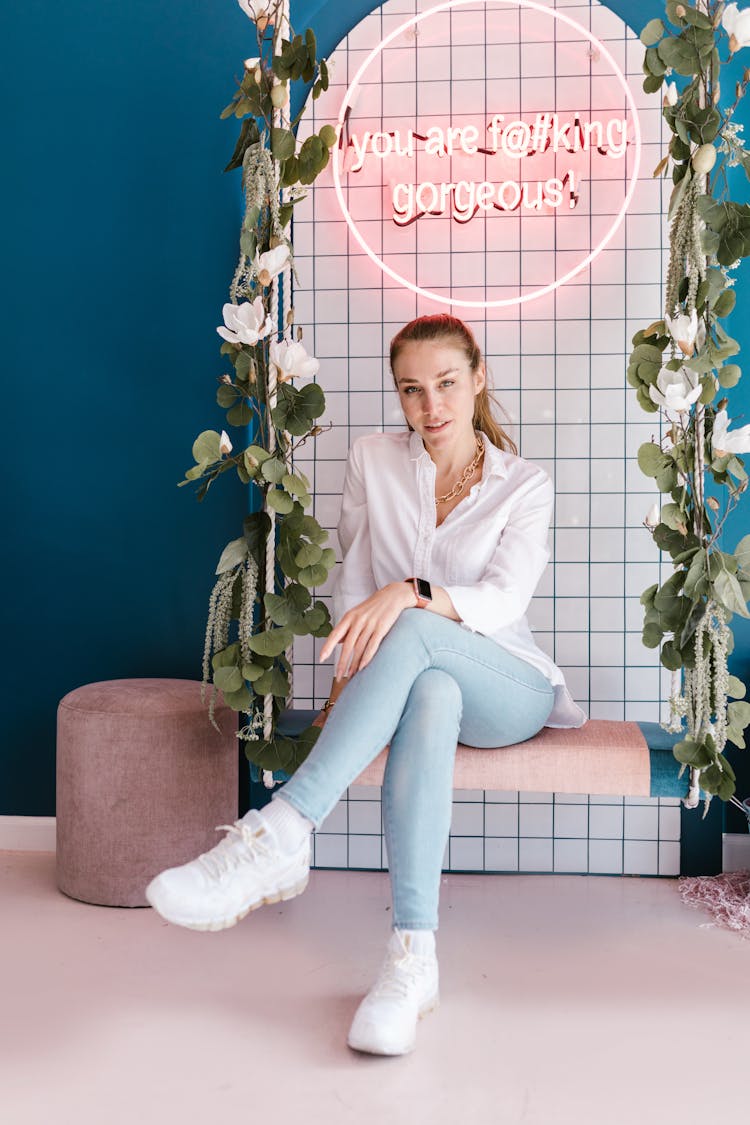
[564, 998]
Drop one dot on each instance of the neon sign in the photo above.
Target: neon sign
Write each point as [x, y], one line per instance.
[485, 166]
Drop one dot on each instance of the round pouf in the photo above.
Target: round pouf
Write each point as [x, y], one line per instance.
[143, 779]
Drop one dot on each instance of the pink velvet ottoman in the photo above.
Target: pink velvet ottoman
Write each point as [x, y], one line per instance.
[143, 779]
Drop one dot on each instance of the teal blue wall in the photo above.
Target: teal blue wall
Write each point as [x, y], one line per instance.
[120, 240]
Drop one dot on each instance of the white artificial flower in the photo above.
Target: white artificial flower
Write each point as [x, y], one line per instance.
[676, 390]
[292, 361]
[684, 331]
[250, 64]
[267, 266]
[654, 516]
[251, 8]
[722, 441]
[225, 445]
[737, 25]
[670, 93]
[246, 323]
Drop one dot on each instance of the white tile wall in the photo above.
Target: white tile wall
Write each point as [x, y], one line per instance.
[558, 365]
[525, 832]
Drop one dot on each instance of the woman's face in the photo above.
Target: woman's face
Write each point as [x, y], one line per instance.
[437, 389]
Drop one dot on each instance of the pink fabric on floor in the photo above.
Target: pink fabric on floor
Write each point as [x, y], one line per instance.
[726, 897]
[603, 756]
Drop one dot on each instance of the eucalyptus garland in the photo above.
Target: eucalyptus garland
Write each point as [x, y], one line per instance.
[265, 576]
[679, 365]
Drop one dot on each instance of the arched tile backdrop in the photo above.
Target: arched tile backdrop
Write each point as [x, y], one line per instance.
[558, 365]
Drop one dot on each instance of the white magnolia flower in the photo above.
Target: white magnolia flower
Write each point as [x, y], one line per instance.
[670, 93]
[653, 516]
[737, 25]
[252, 8]
[722, 441]
[292, 361]
[225, 445]
[246, 323]
[684, 331]
[676, 390]
[267, 266]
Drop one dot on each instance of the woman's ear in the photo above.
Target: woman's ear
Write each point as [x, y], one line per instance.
[480, 378]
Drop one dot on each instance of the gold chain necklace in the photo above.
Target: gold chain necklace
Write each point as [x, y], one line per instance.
[466, 475]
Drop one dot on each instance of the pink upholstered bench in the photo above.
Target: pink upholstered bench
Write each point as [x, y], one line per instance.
[604, 756]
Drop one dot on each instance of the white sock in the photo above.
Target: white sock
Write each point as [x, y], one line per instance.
[421, 942]
[290, 826]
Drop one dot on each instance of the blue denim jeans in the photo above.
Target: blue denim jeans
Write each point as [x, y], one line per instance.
[431, 684]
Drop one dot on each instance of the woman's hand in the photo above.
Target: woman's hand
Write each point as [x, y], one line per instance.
[363, 627]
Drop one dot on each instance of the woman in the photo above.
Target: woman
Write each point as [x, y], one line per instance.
[444, 534]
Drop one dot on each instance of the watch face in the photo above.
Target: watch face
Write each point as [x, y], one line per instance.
[424, 589]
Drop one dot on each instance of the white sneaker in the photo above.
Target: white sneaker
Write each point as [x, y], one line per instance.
[385, 1023]
[246, 869]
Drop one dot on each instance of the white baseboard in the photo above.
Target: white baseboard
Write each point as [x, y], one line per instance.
[28, 834]
[735, 851]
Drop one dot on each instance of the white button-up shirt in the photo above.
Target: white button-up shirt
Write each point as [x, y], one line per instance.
[488, 553]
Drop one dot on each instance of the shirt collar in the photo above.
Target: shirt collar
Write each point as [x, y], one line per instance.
[495, 460]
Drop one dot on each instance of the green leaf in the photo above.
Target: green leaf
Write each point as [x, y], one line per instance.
[282, 144]
[729, 376]
[328, 136]
[652, 635]
[308, 555]
[738, 714]
[240, 414]
[279, 501]
[647, 597]
[725, 303]
[736, 688]
[313, 575]
[248, 135]
[670, 656]
[273, 682]
[256, 527]
[252, 671]
[206, 447]
[273, 469]
[651, 460]
[727, 590]
[652, 33]
[297, 596]
[241, 700]
[226, 657]
[679, 193]
[696, 18]
[742, 553]
[651, 83]
[233, 554]
[692, 753]
[226, 396]
[696, 572]
[271, 642]
[294, 484]
[228, 678]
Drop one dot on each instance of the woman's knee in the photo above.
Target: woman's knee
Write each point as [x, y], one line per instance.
[414, 626]
[436, 696]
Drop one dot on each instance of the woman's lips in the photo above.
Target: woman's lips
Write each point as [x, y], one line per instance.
[436, 429]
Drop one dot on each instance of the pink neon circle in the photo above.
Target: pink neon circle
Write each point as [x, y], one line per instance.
[412, 22]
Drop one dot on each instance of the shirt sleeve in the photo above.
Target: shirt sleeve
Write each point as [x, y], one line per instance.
[502, 594]
[354, 580]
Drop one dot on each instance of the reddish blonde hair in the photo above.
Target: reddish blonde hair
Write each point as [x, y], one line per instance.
[442, 326]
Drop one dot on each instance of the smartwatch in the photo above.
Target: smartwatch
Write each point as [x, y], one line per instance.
[422, 589]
